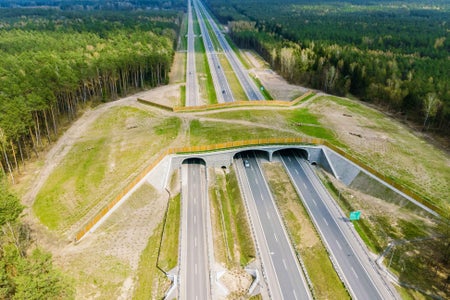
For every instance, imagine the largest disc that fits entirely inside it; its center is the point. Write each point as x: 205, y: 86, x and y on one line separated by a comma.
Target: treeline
x: 394, y: 56
x: 47, y: 73
x: 26, y: 271
x: 97, y: 4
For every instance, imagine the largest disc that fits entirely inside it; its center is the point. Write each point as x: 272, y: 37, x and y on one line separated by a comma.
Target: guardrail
x: 246, y: 143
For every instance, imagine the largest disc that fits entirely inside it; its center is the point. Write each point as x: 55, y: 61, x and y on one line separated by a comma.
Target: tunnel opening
x: 294, y: 151
x: 194, y: 160
x: 250, y: 153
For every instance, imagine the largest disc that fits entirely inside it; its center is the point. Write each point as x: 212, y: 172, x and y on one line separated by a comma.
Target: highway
x: 250, y: 88
x: 355, y: 267
x: 282, y: 271
x: 223, y: 90
x: 194, y: 264
x: 191, y: 74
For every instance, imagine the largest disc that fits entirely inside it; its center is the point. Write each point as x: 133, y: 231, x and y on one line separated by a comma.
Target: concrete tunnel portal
x: 224, y: 159
x: 300, y: 152
x: 258, y: 152
x: 194, y: 160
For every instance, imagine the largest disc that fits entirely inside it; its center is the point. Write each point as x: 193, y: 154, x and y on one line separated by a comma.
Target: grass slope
x: 100, y: 164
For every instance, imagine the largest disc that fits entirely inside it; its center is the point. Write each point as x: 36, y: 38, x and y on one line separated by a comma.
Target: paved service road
x: 281, y: 267
x: 360, y: 277
x: 250, y: 88
x: 194, y: 265
x: 191, y: 74
x: 223, y: 90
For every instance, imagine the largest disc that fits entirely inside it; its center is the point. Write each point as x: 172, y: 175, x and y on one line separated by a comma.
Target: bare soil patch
x: 278, y: 87
x: 103, y: 265
x: 237, y: 281
x: 168, y: 95
x: 178, y: 71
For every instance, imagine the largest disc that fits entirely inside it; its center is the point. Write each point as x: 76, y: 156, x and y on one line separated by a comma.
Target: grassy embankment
x: 168, y: 258
x: 387, y: 221
x: 205, y: 81
x: 101, y: 163
x: 152, y: 283
x: 161, y: 252
x: 400, y: 154
x: 326, y: 283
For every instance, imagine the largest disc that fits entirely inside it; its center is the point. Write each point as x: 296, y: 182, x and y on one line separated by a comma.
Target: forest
x: 53, y: 62
x: 394, y: 54
x: 26, y: 271
x: 98, y: 4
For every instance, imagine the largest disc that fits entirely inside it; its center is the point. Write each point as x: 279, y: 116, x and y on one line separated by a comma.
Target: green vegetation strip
x: 183, y: 97
x: 326, y: 282
x: 233, y: 81
x: 152, y: 283
x: 168, y: 257
x: 231, y: 215
x: 237, y: 52
x: 264, y: 91
x: 205, y: 81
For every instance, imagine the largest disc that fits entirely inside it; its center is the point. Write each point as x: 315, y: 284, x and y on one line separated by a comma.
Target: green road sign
x: 355, y: 215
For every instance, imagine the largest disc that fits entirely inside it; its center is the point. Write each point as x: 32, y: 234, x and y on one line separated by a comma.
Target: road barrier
x: 234, y: 104
x: 246, y: 143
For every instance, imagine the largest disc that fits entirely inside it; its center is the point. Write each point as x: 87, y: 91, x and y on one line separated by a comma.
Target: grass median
x: 326, y: 282
x: 233, y: 236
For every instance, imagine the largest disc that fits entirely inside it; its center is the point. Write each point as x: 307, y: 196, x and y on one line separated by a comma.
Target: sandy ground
x: 275, y: 84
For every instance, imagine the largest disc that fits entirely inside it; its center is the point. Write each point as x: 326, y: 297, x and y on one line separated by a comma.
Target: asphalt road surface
x: 360, y: 278
x: 250, y: 88
x: 194, y: 266
x: 191, y: 74
x: 281, y: 267
x: 223, y: 90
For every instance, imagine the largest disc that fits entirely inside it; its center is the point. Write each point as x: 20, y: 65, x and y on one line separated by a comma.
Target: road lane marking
x: 195, y: 219
x: 304, y: 184
x: 355, y: 273
x: 284, y: 263
x: 314, y: 202
x: 195, y: 200
x: 195, y: 269
x: 289, y: 158
x: 275, y: 236
x: 325, y: 221
x: 295, y: 294
x: 268, y: 216
x: 339, y: 245
x: 195, y: 242
x: 296, y: 171
x: 256, y: 180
